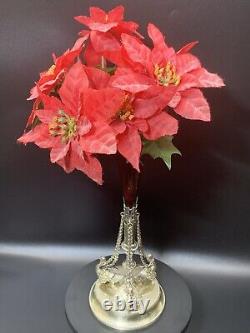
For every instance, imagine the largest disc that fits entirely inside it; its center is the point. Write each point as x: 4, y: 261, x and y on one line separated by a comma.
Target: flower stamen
x: 64, y: 126
x: 167, y: 75
x: 51, y: 70
x: 126, y: 112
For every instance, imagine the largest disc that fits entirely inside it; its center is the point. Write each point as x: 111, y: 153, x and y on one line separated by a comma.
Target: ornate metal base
x: 127, y: 314
x: 174, y: 318
x: 127, y: 296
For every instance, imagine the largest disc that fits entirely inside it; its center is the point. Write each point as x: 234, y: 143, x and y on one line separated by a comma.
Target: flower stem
x: 103, y: 63
x: 129, y: 179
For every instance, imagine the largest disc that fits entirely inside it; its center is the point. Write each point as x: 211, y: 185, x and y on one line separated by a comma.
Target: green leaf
x: 162, y: 148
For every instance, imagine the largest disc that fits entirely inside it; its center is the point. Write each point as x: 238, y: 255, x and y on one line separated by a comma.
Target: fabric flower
x: 51, y: 79
x: 55, y: 74
x: 134, y: 119
x: 75, y: 126
x: 187, y: 73
x: 163, y: 67
x: 105, y: 32
x: 102, y: 21
x: 110, y: 93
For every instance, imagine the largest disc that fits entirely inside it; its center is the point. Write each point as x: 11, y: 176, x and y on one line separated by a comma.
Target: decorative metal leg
x: 127, y: 295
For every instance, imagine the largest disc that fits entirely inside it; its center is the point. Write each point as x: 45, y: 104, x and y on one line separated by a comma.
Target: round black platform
x: 174, y: 318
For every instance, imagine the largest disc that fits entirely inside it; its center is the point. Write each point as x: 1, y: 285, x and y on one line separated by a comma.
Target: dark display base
x: 174, y: 318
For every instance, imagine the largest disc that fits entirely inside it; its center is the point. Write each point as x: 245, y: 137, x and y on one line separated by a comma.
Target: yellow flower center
x: 167, y: 75
x: 51, y: 70
x: 126, y: 112
x: 64, y: 126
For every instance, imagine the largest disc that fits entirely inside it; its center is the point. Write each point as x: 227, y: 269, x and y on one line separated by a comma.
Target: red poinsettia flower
x: 105, y: 32
x: 163, y: 67
x: 55, y: 74
x: 98, y: 79
x: 76, y: 126
x: 187, y: 73
x: 51, y: 79
x: 142, y: 115
x: 102, y: 21
x: 81, y: 110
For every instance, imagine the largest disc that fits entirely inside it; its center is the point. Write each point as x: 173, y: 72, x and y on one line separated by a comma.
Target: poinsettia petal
x: 46, y: 83
x: 40, y: 136
x: 46, y: 116
x: 66, y: 164
x: 206, y: 79
x: 157, y: 57
x: 116, y: 14
x: 152, y: 91
x: 92, y: 169
x: 30, y: 136
x: 145, y: 108
x: 118, y: 126
x: 75, y: 82
x: 156, y: 35
x: 91, y: 57
x: 97, y: 77
x: 188, y: 47
x: 34, y: 93
x: 129, y: 145
x: 86, y: 163
x: 175, y: 100
x: 77, y: 159
x: 97, y: 13
x: 186, y: 63
x: 45, y: 141
x: 51, y: 102
x: 161, y: 55
x: 31, y: 118
x: 84, y: 33
x: 116, y: 57
x: 79, y: 42
x: 160, y: 125
x: 102, y: 27
x: 100, y: 140
x: 136, y: 50
x: 69, y: 161
x: 85, y: 20
x: 102, y: 42
x: 193, y: 105
x: 67, y: 59
x: 140, y: 124
x: 132, y: 82
x: 123, y: 71
x: 83, y: 125
x: 126, y: 27
x: 59, y: 150
x: 188, y: 81
x: 102, y: 104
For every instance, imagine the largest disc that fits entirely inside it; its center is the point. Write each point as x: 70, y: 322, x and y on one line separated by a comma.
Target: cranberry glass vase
x: 127, y: 295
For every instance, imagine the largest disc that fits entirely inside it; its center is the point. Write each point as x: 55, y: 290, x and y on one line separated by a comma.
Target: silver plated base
x: 174, y: 318
x: 126, y: 320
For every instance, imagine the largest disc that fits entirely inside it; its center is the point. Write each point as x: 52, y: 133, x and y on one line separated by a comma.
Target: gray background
x: 195, y: 217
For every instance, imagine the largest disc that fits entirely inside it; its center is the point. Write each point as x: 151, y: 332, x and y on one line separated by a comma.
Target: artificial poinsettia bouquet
x: 110, y: 93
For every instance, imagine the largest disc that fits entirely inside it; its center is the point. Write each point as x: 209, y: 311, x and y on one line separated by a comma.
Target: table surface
x: 34, y: 280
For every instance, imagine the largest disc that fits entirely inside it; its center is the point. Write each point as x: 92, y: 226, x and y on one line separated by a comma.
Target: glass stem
x: 130, y: 179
